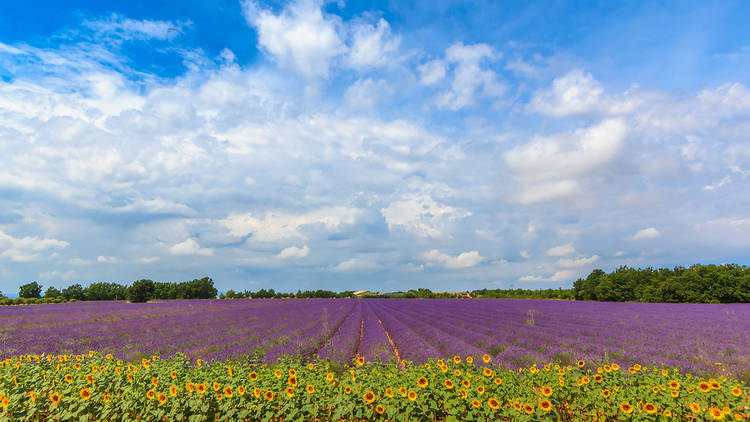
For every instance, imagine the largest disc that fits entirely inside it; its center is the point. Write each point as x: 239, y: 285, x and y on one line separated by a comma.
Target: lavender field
x: 699, y: 338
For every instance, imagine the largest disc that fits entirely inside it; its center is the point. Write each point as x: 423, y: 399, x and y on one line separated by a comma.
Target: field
x: 698, y: 338
x: 447, y: 360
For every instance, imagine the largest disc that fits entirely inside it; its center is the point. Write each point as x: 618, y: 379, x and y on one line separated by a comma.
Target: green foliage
x: 698, y: 284
x: 94, y: 387
x: 105, y: 291
x: 52, y: 292
x: 74, y: 292
x: 141, y: 291
x: 30, y: 290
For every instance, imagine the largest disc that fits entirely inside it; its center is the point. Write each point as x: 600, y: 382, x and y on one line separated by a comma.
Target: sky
x: 376, y: 145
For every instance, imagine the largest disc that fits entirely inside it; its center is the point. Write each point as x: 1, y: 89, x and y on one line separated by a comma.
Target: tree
x: 30, y: 290
x: 74, y: 292
x: 141, y: 291
x: 52, y: 292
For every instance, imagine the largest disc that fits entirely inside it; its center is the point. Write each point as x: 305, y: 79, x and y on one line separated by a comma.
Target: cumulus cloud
x: 190, y: 247
x: 277, y: 226
x: 575, y: 93
x: 301, y: 37
x: 647, y: 233
x: 549, y: 167
x: 356, y: 264
x: 578, y: 262
x: 422, y: 215
x: 107, y: 259
x: 294, y: 252
x: 470, y: 79
x: 463, y: 260
x: 27, y: 248
x: 561, y: 250
x: 372, y: 45
x: 431, y: 72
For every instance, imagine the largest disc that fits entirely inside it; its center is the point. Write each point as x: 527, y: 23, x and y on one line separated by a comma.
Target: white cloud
x: 562, y: 275
x: 189, y: 247
x: 463, y: 260
x: 294, y: 252
x: 372, y: 45
x: 469, y: 78
x: 126, y: 28
x: 431, y: 72
x: 577, y: 263
x: 357, y: 264
x: 574, y: 93
x: 647, y: 233
x: 422, y: 215
x: 549, y: 166
x: 55, y: 275
x: 619, y: 253
x: 722, y: 182
x: 28, y: 248
x: 107, y: 259
x: 525, y: 254
x: 561, y: 250
x: 277, y: 226
x: 301, y: 37
x: 149, y: 260
x: 365, y: 94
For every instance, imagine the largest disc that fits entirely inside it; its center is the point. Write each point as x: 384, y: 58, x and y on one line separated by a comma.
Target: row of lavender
x: 698, y: 338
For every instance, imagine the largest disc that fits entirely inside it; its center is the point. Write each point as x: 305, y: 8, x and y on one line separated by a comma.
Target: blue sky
x: 370, y: 145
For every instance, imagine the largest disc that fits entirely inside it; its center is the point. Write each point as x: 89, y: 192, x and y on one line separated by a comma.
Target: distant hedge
x: 728, y: 283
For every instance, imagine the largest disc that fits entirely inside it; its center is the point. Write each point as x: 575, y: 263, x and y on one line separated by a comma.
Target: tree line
x: 139, y: 291
x: 729, y: 283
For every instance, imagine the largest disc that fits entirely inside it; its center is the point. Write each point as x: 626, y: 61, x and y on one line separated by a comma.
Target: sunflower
x: 606, y: 393
x: 581, y: 363
x: 716, y: 414
x: 77, y: 366
x: 68, y: 378
x: 310, y: 366
x: 615, y: 367
x: 256, y: 392
x: 146, y: 363
x: 448, y: 384
x: 457, y: 372
x: 546, y: 391
x: 5, y: 402
x: 54, y: 398
x: 665, y: 372
x: 241, y: 390
x: 674, y: 384
x: 150, y: 394
x: 269, y: 395
x: 598, y: 378
x: 637, y: 367
x: 216, y: 386
x: 545, y: 405
x: 412, y: 395
x: 493, y: 403
x: 173, y: 374
x: 736, y: 391
x: 655, y: 389
x: 289, y: 392
x: 172, y: 390
x: 529, y: 409
x: 715, y: 385
x: 154, y: 381
x: 368, y: 397
x: 607, y: 368
x: 32, y: 395
x: 310, y: 389
x: 360, y: 361
x: 389, y: 392
x: 486, y: 358
x: 469, y: 359
x: 118, y: 370
x: 292, y: 372
x: 329, y: 377
x: 457, y: 359
x: 380, y: 409
x: 704, y: 387
x: 130, y: 378
x: 292, y: 381
x: 667, y: 413
x: 422, y: 382
x: 498, y: 381
x: 480, y: 390
x: 199, y: 362
x: 649, y: 408
x: 189, y: 387
x: 161, y: 398
x: 85, y: 394
x: 466, y: 383
x: 695, y: 407
x: 347, y: 390
x: 200, y: 388
x: 674, y: 393
x: 487, y: 372
x: 402, y: 391
x: 228, y: 392
x: 626, y: 408
x: 277, y: 373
